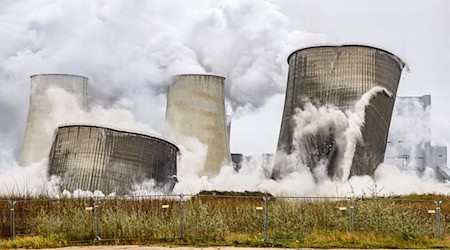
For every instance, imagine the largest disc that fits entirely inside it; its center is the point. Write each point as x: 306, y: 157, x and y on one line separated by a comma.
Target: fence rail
x: 216, y: 217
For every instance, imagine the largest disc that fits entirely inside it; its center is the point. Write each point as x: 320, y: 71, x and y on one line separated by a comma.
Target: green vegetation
x: 51, y: 241
x: 233, y: 220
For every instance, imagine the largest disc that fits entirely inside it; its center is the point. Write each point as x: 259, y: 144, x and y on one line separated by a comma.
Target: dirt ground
x: 166, y: 248
x: 133, y: 247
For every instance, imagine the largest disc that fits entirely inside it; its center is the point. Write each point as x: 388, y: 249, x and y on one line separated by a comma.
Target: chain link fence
x: 221, y: 217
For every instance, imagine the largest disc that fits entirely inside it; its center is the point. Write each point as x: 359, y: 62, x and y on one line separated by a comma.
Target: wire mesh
x: 445, y: 220
x: 407, y: 219
x: 138, y: 218
x: 224, y: 217
x: 294, y: 218
x: 5, y: 219
x: 71, y: 218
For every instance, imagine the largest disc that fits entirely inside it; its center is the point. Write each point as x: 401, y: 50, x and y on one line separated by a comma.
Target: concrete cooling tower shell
x: 340, y: 75
x: 196, y: 108
x: 99, y: 158
x: 38, y: 139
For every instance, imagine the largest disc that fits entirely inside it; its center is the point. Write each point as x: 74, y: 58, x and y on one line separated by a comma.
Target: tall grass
x: 230, y: 220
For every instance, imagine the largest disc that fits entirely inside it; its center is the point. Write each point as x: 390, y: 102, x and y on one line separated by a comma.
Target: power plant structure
x: 357, y: 82
x: 409, y: 141
x: 99, y: 158
x: 38, y: 139
x: 339, y: 76
x: 196, y: 108
x: 237, y: 160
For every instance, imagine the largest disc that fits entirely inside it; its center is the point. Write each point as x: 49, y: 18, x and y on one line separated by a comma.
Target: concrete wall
x: 37, y: 141
x: 340, y: 75
x: 98, y: 158
x: 195, y: 107
x: 439, y: 163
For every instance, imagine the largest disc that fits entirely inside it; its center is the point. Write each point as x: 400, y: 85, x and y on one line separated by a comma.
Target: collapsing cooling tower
x: 196, y: 108
x: 38, y: 139
x: 339, y: 76
x: 99, y: 158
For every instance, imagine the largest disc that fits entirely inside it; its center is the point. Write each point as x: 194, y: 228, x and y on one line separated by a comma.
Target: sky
x: 416, y: 31
x: 130, y: 49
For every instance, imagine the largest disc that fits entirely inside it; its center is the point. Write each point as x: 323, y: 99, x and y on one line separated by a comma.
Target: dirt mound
x: 231, y: 193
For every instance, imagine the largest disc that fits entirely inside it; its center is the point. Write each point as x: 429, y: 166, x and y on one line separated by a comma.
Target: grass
x: 209, y: 220
x: 51, y: 241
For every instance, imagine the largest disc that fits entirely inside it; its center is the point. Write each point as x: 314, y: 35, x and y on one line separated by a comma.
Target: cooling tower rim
x: 126, y: 131
x: 195, y: 74
x: 58, y: 74
x: 398, y: 59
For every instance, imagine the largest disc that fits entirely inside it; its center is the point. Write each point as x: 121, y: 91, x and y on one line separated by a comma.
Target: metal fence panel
x: 223, y: 217
x: 295, y: 218
x: 5, y: 219
x: 67, y: 217
x: 445, y: 219
x: 139, y: 218
x: 407, y: 219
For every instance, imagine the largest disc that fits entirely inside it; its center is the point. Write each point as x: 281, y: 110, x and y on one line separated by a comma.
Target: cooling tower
x: 196, y: 108
x: 339, y: 76
x: 38, y: 138
x: 98, y: 158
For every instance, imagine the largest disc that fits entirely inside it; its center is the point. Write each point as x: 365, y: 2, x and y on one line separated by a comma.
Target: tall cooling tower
x: 99, y: 158
x: 340, y: 75
x: 196, y: 108
x: 38, y: 140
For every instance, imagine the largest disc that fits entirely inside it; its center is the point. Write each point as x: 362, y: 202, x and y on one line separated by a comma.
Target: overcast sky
x: 129, y: 50
x: 416, y: 31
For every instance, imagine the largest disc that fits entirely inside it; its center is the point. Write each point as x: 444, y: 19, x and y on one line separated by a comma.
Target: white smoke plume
x: 253, y: 176
x: 345, y: 127
x: 129, y: 50
x: 413, y: 114
x: 298, y: 180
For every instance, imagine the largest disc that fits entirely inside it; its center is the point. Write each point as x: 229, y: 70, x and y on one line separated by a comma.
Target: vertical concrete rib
x: 196, y: 108
x: 339, y: 76
x: 99, y: 158
x: 37, y: 140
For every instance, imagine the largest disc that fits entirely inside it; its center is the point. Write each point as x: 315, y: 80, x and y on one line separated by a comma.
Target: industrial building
x: 38, y: 139
x: 339, y: 76
x: 409, y: 141
x: 196, y: 108
x: 237, y: 160
x: 99, y: 158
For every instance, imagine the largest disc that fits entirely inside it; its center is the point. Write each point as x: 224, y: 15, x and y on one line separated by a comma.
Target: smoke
x: 298, y: 179
x: 254, y: 175
x: 414, y: 114
x: 67, y: 111
x: 339, y: 129
x: 129, y: 50
x: 387, y: 180
x: 33, y: 180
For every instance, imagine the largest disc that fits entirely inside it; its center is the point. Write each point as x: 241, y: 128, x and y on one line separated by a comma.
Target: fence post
x: 12, y: 224
x: 352, y: 214
x: 96, y: 219
x: 266, y: 215
x: 438, y: 219
x: 181, y: 216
